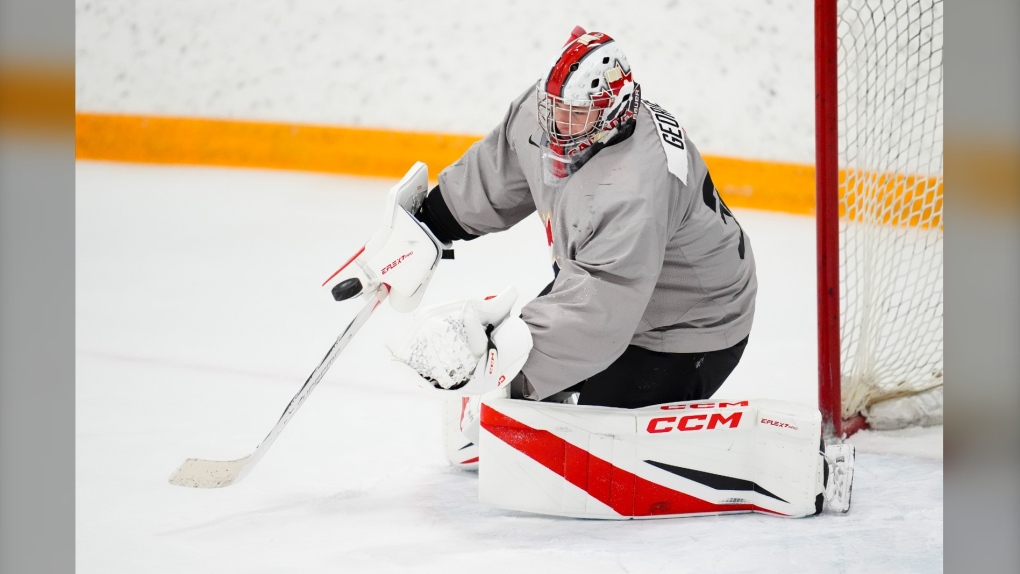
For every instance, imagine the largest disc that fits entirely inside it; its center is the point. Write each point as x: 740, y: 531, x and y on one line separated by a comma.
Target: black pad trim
x: 715, y: 481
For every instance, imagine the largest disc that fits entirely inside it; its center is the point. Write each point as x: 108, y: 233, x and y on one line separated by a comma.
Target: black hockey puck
x: 346, y: 289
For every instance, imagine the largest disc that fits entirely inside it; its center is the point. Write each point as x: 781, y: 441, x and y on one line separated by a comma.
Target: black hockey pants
x: 640, y: 378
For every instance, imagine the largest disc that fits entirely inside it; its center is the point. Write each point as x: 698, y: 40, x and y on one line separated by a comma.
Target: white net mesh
x: 890, y: 130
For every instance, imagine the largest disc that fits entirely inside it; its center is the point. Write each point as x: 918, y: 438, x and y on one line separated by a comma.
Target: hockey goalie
x: 595, y: 399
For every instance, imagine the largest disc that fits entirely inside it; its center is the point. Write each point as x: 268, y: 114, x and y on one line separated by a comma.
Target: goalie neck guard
x: 586, y: 101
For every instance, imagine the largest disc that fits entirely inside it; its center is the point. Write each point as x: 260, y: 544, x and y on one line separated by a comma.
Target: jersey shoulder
x: 671, y: 137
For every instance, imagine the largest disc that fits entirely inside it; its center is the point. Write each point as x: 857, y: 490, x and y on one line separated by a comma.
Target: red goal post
x: 878, y: 132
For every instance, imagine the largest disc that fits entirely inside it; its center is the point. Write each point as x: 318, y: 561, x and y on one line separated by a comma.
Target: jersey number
x: 711, y: 197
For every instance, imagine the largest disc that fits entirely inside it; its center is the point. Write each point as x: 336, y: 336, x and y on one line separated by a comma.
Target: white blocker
x: 402, y: 254
x: 678, y: 459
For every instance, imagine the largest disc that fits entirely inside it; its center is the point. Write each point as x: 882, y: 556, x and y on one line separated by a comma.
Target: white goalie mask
x: 587, y: 97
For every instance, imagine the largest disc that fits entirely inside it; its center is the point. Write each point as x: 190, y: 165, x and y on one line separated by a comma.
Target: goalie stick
x: 201, y: 473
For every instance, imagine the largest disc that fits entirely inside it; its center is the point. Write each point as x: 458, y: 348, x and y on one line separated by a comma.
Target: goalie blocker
x: 679, y: 459
x: 402, y: 254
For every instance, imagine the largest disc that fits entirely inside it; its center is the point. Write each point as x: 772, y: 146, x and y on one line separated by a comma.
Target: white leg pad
x: 678, y: 459
x: 461, y: 427
x: 461, y: 451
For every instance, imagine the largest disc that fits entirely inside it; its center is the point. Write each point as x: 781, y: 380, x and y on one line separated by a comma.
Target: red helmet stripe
x: 572, y: 54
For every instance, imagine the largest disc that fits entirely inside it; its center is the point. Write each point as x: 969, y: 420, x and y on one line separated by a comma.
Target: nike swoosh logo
x: 532, y: 142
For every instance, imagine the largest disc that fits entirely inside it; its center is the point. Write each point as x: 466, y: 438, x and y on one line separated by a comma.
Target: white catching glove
x: 471, y: 346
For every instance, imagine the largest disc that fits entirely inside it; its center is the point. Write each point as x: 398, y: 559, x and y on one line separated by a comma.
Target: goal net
x: 888, y: 193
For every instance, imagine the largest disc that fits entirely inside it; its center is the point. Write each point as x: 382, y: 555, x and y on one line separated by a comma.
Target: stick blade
x: 200, y: 473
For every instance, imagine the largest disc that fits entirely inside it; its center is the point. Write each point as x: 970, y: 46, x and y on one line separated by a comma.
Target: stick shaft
x: 211, y: 474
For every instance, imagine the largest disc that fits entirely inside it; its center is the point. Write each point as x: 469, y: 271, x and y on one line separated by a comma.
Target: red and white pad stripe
x: 680, y: 459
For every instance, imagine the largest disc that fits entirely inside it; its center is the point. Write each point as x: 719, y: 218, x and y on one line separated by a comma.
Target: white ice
x: 199, y: 313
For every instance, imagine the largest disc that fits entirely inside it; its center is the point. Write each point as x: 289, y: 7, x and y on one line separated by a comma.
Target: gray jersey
x: 647, y: 252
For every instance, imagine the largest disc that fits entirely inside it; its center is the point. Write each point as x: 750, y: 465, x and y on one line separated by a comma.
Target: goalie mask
x: 586, y: 101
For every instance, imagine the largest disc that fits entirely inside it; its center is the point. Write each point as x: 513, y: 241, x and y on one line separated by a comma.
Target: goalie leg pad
x: 461, y: 426
x: 678, y: 459
x: 461, y: 451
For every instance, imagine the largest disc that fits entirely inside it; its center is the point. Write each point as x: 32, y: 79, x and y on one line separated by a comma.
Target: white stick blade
x: 199, y: 473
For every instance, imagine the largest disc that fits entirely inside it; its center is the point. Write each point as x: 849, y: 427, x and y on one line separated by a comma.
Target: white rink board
x: 739, y: 77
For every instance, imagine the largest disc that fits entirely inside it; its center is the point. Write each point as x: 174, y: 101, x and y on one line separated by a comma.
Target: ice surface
x: 199, y: 313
